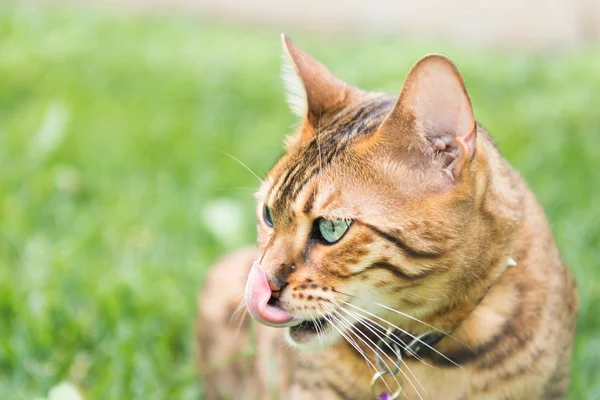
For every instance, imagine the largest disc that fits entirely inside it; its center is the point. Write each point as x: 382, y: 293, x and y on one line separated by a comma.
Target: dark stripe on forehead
x: 333, y: 137
x: 309, y: 203
x: 361, y: 120
x: 371, y: 109
x: 291, y: 174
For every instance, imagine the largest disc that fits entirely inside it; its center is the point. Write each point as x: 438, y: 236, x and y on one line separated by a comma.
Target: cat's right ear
x: 434, y: 114
x: 312, y: 91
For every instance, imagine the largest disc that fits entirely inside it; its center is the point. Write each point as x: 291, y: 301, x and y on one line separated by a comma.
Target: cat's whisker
x: 381, y: 351
x: 380, y: 328
x: 239, y: 327
x: 267, y: 248
x: 351, y: 331
x: 233, y: 188
x: 320, y: 323
x: 422, y: 322
x: 403, y: 331
x: 367, y: 324
x: 407, y: 316
x: 319, y: 331
x: 393, y: 310
x: 242, y: 164
x: 358, y: 334
x: 351, y: 341
x: 239, y: 308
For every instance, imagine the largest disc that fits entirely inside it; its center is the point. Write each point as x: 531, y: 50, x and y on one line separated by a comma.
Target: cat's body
x: 439, y: 219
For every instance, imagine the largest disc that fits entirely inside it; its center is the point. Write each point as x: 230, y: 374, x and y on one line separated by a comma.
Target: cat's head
x: 378, y: 209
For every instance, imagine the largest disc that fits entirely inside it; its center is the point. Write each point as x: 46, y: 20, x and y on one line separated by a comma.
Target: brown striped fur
x: 434, y: 228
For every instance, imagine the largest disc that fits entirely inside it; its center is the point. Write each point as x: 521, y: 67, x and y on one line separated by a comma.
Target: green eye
x: 268, y: 216
x: 332, y: 231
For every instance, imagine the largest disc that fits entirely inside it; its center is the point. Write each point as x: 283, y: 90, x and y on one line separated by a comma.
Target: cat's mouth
x: 307, y: 330
x: 311, y: 325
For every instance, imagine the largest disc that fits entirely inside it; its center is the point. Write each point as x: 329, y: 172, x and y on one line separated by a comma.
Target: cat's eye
x: 332, y: 230
x: 268, y: 216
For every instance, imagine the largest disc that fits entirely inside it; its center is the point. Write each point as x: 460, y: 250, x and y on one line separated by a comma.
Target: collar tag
x: 511, y: 263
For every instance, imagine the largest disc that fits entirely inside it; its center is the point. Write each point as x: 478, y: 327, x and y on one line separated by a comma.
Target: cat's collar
x: 402, y: 344
x: 413, y: 345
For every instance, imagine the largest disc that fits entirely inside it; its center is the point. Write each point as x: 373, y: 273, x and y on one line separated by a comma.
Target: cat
x: 391, y: 233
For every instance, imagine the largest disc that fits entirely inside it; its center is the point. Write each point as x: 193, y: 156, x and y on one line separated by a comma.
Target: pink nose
x: 258, y: 293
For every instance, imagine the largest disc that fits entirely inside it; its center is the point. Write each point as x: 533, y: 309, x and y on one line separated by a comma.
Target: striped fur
x: 437, y: 216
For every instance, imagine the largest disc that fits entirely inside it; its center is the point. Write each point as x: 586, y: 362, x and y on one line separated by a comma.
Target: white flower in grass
x: 64, y: 391
x: 223, y: 218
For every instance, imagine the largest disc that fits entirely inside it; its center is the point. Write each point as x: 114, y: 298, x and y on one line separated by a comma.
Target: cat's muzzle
x: 259, y: 301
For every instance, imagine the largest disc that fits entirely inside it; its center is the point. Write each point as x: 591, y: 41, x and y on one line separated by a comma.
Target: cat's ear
x: 312, y: 91
x: 434, y: 113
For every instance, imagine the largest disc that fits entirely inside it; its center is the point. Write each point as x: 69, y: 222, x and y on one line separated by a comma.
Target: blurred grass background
x: 115, y: 193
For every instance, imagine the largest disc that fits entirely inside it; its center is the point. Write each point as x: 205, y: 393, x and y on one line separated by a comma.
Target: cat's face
x: 371, y: 215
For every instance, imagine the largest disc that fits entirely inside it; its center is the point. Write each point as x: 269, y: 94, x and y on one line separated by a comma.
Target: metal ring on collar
x: 380, y: 375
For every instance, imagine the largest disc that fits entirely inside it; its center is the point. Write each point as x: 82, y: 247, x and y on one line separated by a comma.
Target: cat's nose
x: 276, y: 284
x: 278, y: 279
x: 259, y: 293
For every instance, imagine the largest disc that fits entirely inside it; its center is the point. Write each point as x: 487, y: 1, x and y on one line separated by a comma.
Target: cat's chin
x: 307, y: 337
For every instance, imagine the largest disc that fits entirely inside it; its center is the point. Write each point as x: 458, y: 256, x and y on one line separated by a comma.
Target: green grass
x: 115, y: 196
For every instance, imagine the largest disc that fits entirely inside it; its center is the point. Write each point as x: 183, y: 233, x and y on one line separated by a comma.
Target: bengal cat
x: 389, y: 218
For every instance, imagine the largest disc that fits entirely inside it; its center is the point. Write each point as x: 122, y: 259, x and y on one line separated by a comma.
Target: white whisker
x: 357, y: 347
x: 382, y: 329
x: 396, y: 311
x: 243, y: 165
x: 449, y: 335
x: 237, y: 310
x: 351, y: 341
x: 402, y: 330
x: 233, y: 188
x: 367, y: 324
x: 319, y: 331
x: 239, y: 327
x: 352, y: 327
x: 409, y: 317
x: 370, y: 322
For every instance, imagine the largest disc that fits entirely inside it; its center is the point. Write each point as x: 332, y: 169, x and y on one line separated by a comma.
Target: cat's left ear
x: 312, y: 91
x: 434, y: 114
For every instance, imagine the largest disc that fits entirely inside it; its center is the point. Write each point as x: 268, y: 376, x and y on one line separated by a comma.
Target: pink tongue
x: 258, y: 294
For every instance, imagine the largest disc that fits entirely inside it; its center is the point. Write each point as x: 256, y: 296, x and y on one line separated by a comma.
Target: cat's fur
x: 438, y: 218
